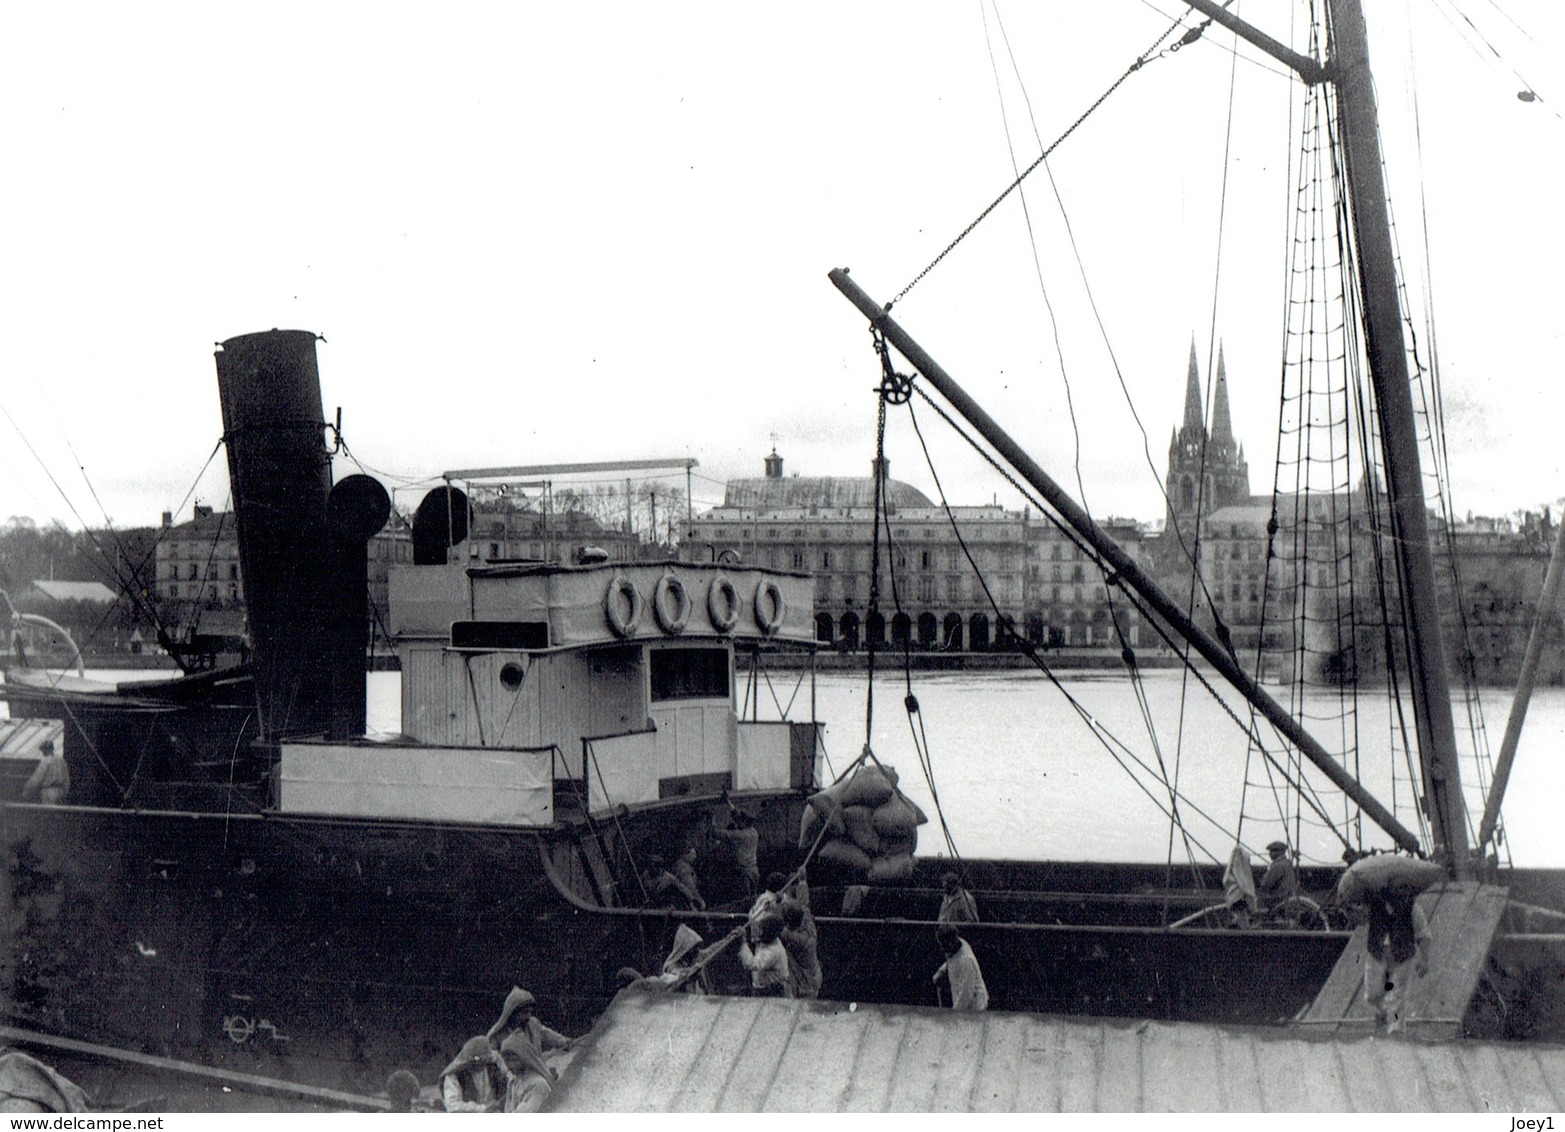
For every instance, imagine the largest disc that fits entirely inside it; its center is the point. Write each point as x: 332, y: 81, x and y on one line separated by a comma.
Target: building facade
x: 971, y: 579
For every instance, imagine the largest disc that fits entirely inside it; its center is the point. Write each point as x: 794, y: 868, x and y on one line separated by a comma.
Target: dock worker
x: 402, y: 1091
x: 686, y: 880
x: 961, y: 970
x: 768, y: 962
x: 1397, y: 947
x: 799, y: 941
x: 1280, y: 882
x: 474, y: 1081
x: 529, y: 1079
x: 517, y: 1017
x: 676, y: 972
x: 770, y: 900
x: 744, y: 842
x: 50, y: 781
x: 957, y: 905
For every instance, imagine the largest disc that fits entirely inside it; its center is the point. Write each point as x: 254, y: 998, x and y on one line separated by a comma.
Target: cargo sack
x: 898, y: 816
x: 826, y: 805
x: 898, y: 844
x: 884, y: 869
x: 844, y: 855
x: 1390, y: 875
x: 860, y: 822
x: 871, y: 785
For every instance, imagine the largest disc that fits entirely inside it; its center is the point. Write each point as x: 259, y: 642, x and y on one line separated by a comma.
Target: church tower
x: 1206, y: 468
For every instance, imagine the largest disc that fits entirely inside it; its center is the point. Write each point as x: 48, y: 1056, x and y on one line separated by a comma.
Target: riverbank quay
x: 890, y: 659
x: 658, y: 1052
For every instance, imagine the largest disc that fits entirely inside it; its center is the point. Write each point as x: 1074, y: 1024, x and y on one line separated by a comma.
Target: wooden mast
x: 1349, y: 74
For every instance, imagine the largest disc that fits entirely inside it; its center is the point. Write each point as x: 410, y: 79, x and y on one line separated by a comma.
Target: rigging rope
x: 1103, y: 735
x: 1146, y: 56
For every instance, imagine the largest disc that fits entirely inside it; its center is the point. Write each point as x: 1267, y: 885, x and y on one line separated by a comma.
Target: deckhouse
x: 612, y: 685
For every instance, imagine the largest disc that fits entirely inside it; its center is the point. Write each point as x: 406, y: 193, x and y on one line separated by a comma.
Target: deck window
x: 688, y: 674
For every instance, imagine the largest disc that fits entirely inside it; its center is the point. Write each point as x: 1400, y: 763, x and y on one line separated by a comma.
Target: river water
x: 1020, y: 775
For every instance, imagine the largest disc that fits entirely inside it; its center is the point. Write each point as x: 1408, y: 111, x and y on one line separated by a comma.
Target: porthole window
x: 511, y: 676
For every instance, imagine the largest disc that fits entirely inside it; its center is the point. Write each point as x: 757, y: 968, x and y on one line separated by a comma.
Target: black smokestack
x: 280, y: 474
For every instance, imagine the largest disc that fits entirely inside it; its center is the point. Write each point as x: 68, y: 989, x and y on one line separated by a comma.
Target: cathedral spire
x: 1222, y: 428
x: 1194, y: 418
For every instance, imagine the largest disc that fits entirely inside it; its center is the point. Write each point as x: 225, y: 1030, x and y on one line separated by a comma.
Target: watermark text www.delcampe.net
x: 87, y: 1123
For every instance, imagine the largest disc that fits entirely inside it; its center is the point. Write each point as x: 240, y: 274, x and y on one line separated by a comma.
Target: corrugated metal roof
x: 660, y: 1052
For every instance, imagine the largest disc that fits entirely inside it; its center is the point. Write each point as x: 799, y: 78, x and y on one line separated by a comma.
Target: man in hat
x: 51, y: 779
x: 517, y: 1018
x: 1280, y: 882
x: 961, y: 970
x: 957, y: 905
x: 474, y: 1080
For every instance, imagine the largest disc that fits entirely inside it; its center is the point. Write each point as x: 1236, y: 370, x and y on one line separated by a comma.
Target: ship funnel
x: 441, y: 522
x: 292, y: 546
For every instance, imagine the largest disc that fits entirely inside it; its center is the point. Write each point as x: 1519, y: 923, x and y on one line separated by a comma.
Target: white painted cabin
x: 616, y: 678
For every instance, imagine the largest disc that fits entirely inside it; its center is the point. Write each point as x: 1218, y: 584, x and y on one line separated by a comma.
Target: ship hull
x: 331, y: 951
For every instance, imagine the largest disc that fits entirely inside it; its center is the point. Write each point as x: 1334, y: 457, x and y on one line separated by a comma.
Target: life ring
x: 622, y: 606
x: 770, y: 608
x: 722, y: 604
x: 671, y: 604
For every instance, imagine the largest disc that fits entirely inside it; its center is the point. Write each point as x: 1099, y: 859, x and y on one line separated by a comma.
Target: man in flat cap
x: 1280, y: 882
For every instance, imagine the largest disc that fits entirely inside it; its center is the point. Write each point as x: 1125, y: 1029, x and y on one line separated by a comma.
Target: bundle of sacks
x: 872, y: 826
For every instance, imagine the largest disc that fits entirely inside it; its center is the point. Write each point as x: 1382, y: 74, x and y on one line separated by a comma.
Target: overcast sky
x: 570, y: 232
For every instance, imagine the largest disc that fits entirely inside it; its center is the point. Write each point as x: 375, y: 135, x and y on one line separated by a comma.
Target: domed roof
x: 776, y: 492
x: 818, y: 491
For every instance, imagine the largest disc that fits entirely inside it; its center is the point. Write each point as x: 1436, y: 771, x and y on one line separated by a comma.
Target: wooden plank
x: 1180, y: 1068
x: 1463, y: 917
x: 246, y: 1082
x: 912, y: 1083
x: 815, y: 1072
x: 652, y: 1050
x: 869, y: 1085
x: 1047, y: 1062
x: 961, y: 1055
x: 702, y: 1088
x: 755, y: 1065
x: 1238, y: 1073
x: 711, y: 1054
x: 1006, y: 1038
x: 1119, y: 1075
x: 1343, y: 995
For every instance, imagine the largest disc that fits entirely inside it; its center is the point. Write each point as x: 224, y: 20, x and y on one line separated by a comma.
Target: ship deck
x: 685, y: 1053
